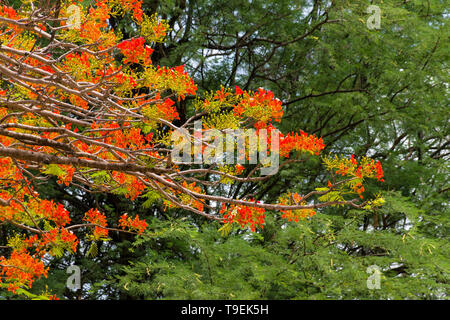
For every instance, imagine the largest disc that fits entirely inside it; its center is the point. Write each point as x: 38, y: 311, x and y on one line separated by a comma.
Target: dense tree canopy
x: 87, y: 111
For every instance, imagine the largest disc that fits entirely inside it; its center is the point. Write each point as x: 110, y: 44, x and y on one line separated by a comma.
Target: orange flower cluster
x: 69, y: 171
x: 130, y: 138
x: 178, y: 80
x: 78, y: 65
x: 132, y: 185
x: 175, y: 79
x: 260, y: 105
x: 21, y: 269
x: 135, y: 51
x: 38, y: 64
x: 58, y: 237
x: 92, y: 29
x: 99, y: 219
x: 166, y: 110
x: 244, y: 215
x: 160, y: 30
x: 186, y: 199
x: 135, y: 224
x: 239, y: 169
x: 300, y: 142
x: 134, y: 6
x: 295, y: 215
x: 135, y: 188
x: 8, y: 12
x: 359, y: 189
x: 366, y: 168
x: 379, y: 171
x: 56, y: 213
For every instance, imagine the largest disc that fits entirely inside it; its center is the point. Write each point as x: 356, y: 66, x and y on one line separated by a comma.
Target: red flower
x: 379, y: 170
x: 21, y: 269
x: 135, y: 51
x: 244, y: 215
x: 99, y: 219
x: 239, y: 169
x: 134, y: 224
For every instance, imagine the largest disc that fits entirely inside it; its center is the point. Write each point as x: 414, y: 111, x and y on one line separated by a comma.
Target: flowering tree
x: 80, y: 103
